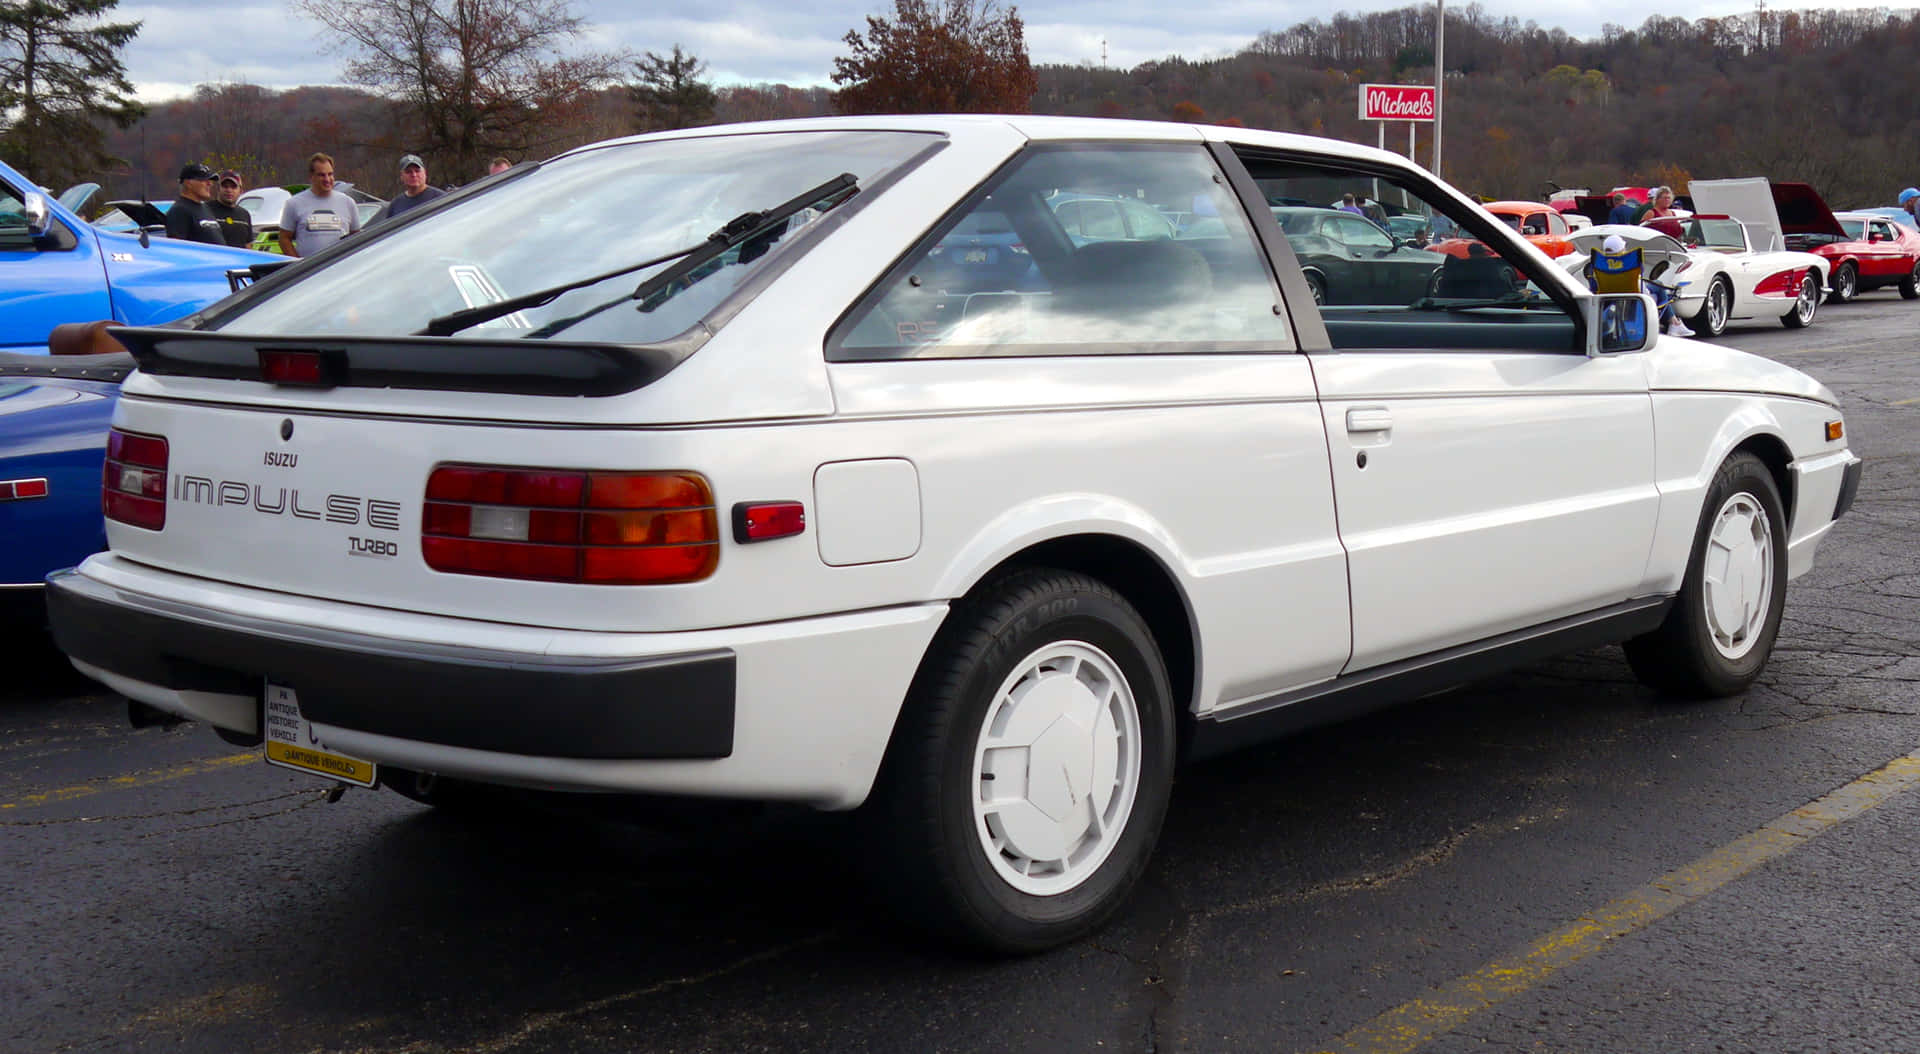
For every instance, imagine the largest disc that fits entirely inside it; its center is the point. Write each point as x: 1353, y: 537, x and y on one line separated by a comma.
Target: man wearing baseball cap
x: 414, y: 189
x: 188, y: 218
x: 236, y: 223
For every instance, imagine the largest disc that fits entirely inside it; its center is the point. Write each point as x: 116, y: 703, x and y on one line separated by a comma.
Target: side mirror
x: 1619, y: 323
x: 35, y: 210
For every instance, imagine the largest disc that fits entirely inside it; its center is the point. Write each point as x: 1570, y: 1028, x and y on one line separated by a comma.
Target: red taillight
x: 1785, y: 283
x: 133, y: 480
x: 293, y: 367
x: 603, y: 528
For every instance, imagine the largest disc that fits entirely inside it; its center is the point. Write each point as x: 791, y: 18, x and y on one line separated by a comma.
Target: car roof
x: 1503, y: 207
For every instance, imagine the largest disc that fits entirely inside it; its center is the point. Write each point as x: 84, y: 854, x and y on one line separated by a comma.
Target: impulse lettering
x: 284, y: 501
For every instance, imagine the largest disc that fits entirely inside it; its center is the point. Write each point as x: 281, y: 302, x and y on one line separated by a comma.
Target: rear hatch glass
x: 573, y: 218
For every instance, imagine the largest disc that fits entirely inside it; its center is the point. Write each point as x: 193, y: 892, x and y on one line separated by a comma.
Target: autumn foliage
x: 937, y: 56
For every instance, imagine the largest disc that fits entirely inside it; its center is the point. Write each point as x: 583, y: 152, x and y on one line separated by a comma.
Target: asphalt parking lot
x: 1554, y: 860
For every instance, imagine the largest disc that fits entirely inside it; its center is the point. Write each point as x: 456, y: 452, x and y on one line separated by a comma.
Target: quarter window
x: 1074, y: 250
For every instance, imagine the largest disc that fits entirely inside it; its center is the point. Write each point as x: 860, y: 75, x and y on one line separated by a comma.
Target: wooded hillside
x: 1828, y: 97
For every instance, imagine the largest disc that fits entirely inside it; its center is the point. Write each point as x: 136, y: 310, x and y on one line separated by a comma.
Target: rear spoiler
x: 428, y: 363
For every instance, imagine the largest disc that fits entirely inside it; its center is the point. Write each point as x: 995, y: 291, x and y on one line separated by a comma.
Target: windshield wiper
x: 742, y: 228
x: 454, y: 321
x: 735, y: 232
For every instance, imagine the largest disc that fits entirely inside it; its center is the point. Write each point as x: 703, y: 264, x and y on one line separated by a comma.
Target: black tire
x: 1698, y: 652
x: 1805, y: 305
x: 1711, y: 321
x: 1910, y: 285
x: 938, y: 854
x: 1846, y: 285
x: 1318, y: 287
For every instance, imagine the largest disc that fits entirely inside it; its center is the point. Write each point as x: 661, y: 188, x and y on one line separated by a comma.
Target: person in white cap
x: 414, y: 188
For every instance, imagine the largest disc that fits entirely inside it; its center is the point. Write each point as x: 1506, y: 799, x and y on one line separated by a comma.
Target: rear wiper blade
x: 454, y: 321
x: 744, y: 228
x: 736, y: 231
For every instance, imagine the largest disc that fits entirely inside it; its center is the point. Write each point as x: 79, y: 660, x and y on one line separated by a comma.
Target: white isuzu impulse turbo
x: 973, y: 470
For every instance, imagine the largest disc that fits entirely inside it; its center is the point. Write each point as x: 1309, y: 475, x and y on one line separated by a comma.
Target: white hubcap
x: 1056, y: 768
x: 1737, y: 575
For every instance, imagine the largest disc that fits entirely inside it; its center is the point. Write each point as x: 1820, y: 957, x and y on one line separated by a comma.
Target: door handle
x: 1369, y: 419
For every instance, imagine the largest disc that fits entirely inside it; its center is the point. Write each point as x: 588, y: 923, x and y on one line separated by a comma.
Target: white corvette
x: 1722, y: 277
x: 866, y: 469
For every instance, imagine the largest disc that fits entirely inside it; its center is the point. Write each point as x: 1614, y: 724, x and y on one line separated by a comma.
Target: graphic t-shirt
x: 318, y: 222
x: 190, y: 220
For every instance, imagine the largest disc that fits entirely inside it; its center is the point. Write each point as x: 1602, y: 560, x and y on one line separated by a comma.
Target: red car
x: 1878, y: 252
x: 1866, y: 251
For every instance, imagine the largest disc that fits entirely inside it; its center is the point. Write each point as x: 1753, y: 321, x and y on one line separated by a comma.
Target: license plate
x: 291, y: 743
x: 974, y: 256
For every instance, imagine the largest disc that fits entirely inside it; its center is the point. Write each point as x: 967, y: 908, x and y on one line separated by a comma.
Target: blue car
x: 54, y: 410
x: 55, y: 268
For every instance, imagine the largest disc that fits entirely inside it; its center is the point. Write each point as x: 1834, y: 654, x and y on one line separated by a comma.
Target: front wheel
x: 1712, y: 319
x: 1031, y: 769
x: 1805, y: 305
x: 1722, y: 627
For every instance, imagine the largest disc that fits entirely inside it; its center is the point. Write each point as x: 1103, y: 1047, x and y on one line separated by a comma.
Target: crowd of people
x: 208, y: 210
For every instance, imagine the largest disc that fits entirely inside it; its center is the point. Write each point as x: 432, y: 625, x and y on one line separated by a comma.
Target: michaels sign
x: 1396, y: 102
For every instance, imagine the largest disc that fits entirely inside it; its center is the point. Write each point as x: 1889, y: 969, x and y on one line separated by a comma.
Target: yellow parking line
x: 136, y: 779
x: 1906, y: 402
x: 1407, y: 1027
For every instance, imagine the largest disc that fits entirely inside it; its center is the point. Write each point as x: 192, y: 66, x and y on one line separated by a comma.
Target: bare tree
x: 475, y: 78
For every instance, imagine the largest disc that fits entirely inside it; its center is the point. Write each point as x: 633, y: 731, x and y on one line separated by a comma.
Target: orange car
x: 1539, y: 223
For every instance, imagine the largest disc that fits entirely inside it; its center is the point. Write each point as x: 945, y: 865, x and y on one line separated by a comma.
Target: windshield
x: 575, y: 217
x: 1717, y: 234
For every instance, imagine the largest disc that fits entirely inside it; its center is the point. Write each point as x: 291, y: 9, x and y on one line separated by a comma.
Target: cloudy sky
x: 189, y: 42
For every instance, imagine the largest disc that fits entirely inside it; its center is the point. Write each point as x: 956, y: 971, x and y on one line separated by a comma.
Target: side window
x: 1144, y: 221
x: 1373, y: 293
x: 1361, y: 235
x: 1557, y: 224
x: 1084, y: 260
x: 13, y: 215
x: 1535, y: 224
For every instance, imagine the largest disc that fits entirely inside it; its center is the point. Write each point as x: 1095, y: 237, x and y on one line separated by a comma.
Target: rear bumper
x: 800, y: 710
x: 669, y: 706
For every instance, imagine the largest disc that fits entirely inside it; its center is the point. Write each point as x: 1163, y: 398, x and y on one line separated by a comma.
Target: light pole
x: 1439, y: 75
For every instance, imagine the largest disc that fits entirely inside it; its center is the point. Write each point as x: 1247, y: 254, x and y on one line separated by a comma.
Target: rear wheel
x: 1712, y: 319
x: 1318, y: 286
x: 1722, y: 627
x: 1846, y: 285
x: 1032, y: 767
x: 1910, y: 285
x: 1805, y: 305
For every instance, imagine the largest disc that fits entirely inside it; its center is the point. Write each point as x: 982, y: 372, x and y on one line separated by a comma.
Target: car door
x: 1889, y: 262
x: 1490, y: 477
x: 45, y: 281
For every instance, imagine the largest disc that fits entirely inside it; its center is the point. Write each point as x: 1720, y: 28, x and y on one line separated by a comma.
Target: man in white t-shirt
x: 317, y: 216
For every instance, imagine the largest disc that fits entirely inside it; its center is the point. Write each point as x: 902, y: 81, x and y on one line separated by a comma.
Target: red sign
x: 1396, y: 102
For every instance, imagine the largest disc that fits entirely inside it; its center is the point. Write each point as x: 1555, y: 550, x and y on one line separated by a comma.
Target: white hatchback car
x: 771, y: 491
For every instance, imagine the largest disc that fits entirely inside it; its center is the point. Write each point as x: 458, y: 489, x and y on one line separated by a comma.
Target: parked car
x: 607, y: 528
x: 1349, y: 259
x: 1722, y: 278
x: 1541, y: 224
x: 54, y: 415
x: 55, y: 268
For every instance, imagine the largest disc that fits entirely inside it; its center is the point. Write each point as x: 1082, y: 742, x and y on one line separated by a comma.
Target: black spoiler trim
x: 112, y: 367
x: 425, y: 363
